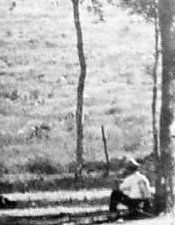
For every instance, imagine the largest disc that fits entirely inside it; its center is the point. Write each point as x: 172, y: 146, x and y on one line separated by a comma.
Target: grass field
x: 39, y: 71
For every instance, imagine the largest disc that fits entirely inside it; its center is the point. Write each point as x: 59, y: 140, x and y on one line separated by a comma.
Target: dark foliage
x: 147, y: 8
x: 41, y: 165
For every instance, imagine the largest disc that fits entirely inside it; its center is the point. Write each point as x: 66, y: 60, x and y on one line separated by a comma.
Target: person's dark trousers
x: 118, y: 196
x: 5, y: 203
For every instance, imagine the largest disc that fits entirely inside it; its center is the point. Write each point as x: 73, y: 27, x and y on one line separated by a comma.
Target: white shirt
x: 136, y: 186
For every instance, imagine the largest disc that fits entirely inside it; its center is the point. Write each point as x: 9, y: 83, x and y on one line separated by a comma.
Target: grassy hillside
x: 39, y: 71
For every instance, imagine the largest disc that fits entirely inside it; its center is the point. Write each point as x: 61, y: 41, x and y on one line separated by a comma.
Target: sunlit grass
x: 39, y: 59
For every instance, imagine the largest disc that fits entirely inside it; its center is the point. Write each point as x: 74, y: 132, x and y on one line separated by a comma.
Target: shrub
x: 114, y: 110
x: 3, y: 169
x: 41, y: 165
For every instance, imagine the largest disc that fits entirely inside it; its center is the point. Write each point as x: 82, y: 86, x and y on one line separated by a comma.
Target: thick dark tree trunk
x: 167, y: 116
x: 80, y: 88
x: 159, y: 199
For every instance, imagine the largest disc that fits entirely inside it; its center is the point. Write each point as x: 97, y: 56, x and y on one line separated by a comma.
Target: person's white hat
x: 132, y: 164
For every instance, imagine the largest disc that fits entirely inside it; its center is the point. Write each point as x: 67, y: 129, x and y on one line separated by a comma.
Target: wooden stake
x: 105, y: 151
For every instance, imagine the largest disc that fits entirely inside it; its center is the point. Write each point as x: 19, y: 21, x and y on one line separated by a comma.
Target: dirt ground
x: 80, y: 204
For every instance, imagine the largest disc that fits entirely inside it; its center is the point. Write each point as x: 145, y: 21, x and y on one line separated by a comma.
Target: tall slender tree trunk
x: 80, y: 88
x: 167, y: 115
x: 155, y: 90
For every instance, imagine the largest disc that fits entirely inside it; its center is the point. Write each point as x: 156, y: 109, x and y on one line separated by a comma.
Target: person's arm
x: 144, y: 186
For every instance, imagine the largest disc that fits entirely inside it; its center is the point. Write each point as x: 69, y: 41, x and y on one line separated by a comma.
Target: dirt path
x: 165, y: 220
x: 162, y: 220
x: 60, y: 195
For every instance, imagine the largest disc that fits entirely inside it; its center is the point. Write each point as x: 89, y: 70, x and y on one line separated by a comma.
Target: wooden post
x: 105, y: 151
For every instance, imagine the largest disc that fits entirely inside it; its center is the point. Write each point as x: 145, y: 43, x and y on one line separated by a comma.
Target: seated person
x: 134, y: 191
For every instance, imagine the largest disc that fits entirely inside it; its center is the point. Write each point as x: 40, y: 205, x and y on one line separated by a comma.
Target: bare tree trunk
x: 167, y: 116
x: 154, y: 101
x: 80, y: 88
x: 105, y: 150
